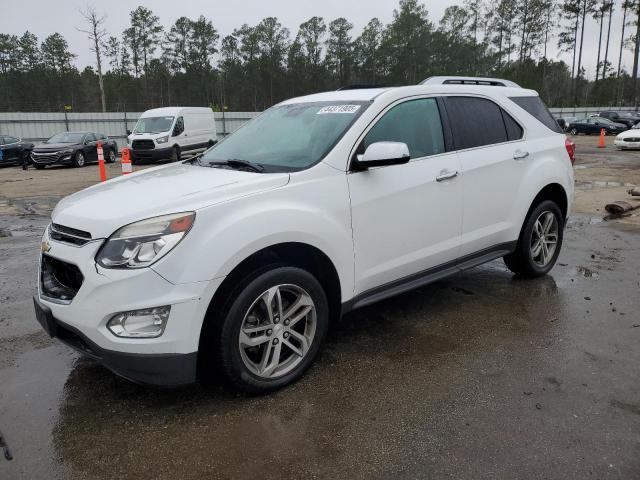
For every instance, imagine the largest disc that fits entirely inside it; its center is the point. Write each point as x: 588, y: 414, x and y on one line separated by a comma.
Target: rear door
x: 490, y: 146
x: 406, y: 219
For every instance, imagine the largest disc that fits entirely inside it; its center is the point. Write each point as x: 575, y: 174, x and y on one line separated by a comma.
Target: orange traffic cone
x: 127, y: 168
x: 103, y: 172
x: 601, y: 142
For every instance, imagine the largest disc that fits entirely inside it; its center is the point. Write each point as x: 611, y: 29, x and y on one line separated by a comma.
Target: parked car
x: 628, y: 140
x: 73, y: 148
x: 626, y: 118
x: 13, y: 150
x: 565, y: 121
x: 170, y: 132
x: 594, y: 125
x: 239, y: 259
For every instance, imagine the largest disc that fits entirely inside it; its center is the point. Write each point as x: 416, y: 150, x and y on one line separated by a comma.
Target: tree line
x: 258, y: 65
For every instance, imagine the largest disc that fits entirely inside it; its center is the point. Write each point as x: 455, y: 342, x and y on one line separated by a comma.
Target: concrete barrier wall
x: 37, y: 127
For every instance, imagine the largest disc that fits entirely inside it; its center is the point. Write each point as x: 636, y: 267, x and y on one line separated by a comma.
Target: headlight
x: 164, y: 139
x: 142, y: 243
x: 65, y: 152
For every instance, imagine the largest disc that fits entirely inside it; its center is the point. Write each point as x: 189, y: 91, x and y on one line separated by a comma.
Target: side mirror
x: 128, y: 132
x: 381, y: 154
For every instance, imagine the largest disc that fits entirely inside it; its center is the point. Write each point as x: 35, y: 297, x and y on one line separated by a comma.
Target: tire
x: 79, y: 160
x: 111, y: 156
x: 523, y: 261
x: 175, y: 154
x: 242, y: 364
x: 574, y: 131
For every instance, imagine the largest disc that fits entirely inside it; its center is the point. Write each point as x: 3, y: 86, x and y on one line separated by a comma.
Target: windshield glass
x: 153, y: 125
x: 288, y: 137
x: 66, y: 138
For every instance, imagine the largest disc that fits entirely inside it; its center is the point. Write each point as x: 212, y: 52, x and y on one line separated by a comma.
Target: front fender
x: 314, y: 212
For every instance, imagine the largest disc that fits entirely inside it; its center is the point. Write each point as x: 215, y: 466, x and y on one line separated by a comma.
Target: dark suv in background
x: 13, y: 150
x: 627, y: 118
x: 73, y: 148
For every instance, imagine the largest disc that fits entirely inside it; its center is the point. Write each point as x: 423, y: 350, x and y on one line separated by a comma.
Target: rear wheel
x: 539, y: 243
x: 272, y: 330
x: 175, y: 154
x: 111, y: 156
x: 78, y: 160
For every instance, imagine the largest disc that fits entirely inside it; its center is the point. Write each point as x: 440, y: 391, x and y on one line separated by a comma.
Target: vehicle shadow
x: 382, y: 366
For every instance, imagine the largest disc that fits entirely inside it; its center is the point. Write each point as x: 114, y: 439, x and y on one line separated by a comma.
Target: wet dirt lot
x: 479, y: 376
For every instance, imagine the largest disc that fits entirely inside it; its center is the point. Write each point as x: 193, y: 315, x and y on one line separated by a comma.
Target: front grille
x: 51, y: 157
x: 59, y: 280
x: 631, y: 139
x: 60, y: 233
x: 143, y: 145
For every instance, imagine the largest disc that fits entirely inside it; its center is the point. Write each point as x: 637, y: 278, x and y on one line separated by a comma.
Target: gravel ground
x: 479, y: 376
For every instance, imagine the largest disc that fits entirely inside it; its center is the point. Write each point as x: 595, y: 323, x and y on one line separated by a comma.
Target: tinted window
x: 475, y: 122
x: 90, y: 137
x: 1, y: 140
x: 514, y: 130
x: 416, y: 123
x: 101, y: 136
x: 179, y: 127
x: 10, y: 140
x: 535, y: 107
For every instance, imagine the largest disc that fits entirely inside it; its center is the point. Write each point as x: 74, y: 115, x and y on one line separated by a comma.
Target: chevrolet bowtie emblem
x: 45, y: 246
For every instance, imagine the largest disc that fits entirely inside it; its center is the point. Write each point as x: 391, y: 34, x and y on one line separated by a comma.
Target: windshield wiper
x: 238, y: 163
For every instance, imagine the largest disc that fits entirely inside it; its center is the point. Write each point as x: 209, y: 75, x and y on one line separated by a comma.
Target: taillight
x: 571, y: 150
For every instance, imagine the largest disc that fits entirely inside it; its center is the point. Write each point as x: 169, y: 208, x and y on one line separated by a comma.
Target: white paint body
x: 622, y: 139
x: 376, y: 226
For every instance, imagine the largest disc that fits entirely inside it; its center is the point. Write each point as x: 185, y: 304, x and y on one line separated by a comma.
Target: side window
x: 475, y: 122
x: 2, y: 141
x: 10, y: 140
x: 89, y: 137
x: 535, y: 107
x: 514, y: 130
x: 415, y: 122
x: 179, y: 127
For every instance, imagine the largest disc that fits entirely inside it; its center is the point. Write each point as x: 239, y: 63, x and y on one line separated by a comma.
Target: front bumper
x: 51, y: 159
x: 152, y: 154
x: 166, y: 360
x: 625, y: 144
x: 153, y: 369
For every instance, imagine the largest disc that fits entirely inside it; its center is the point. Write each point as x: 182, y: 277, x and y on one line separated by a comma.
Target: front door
x: 406, y: 219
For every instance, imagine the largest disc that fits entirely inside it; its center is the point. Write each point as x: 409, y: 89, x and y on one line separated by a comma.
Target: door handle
x: 520, y: 154
x: 444, y: 175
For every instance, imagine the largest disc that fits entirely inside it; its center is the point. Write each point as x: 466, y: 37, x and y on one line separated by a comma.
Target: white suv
x: 238, y: 260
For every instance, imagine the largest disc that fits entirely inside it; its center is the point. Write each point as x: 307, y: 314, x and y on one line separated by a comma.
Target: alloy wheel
x: 80, y: 159
x: 277, y: 331
x: 544, y: 239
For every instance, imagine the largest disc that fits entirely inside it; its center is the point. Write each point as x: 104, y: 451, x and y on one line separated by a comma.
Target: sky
x: 44, y: 17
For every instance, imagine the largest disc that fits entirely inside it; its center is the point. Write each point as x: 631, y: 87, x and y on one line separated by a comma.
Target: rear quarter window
x: 535, y: 107
x: 477, y: 122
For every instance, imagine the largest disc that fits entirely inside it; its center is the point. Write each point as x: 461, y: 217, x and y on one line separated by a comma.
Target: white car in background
x: 238, y: 260
x: 629, y: 139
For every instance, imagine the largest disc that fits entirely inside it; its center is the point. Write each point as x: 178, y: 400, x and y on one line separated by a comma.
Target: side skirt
x: 430, y: 275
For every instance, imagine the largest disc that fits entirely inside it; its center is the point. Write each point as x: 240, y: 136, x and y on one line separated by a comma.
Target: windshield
x: 66, y: 138
x: 288, y: 137
x: 153, y: 125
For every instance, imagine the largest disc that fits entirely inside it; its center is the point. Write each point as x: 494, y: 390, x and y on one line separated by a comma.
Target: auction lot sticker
x: 339, y: 109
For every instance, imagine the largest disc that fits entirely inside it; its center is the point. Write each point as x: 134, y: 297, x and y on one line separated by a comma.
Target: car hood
x: 632, y: 133
x: 105, y: 207
x: 53, y: 147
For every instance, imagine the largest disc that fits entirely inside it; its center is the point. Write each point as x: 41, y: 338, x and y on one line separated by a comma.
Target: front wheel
x: 175, y: 154
x: 78, y: 160
x: 272, y: 330
x: 539, y: 243
x: 574, y: 131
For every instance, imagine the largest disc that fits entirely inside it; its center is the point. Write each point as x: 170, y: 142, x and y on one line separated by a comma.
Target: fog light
x: 147, y: 323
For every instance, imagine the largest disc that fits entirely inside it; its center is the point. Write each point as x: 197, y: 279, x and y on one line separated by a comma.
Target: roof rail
x: 359, y: 86
x: 454, y: 80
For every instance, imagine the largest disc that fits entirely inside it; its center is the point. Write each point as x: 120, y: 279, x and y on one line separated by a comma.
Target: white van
x: 170, y: 132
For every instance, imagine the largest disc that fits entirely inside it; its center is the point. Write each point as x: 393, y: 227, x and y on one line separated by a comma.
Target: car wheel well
x: 294, y: 254
x: 557, y: 194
